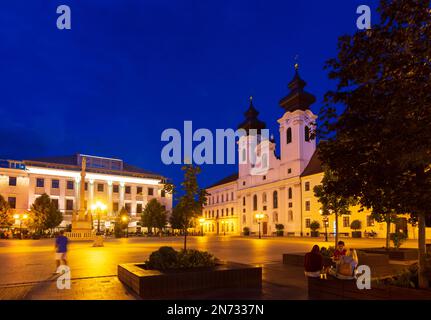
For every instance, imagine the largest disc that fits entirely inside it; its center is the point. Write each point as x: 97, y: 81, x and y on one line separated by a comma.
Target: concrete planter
x: 315, y: 234
x: 335, y: 289
x: 402, y: 254
x: 153, y: 284
x: 356, y: 234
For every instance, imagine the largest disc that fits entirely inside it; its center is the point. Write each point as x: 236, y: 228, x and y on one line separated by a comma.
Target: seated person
x: 346, y: 266
x: 313, y: 262
x: 339, y: 251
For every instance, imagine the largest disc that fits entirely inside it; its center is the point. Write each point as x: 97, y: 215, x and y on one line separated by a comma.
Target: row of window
x: 100, y: 187
x: 215, y: 214
x: 345, y: 222
x: 225, y: 227
x: 223, y: 197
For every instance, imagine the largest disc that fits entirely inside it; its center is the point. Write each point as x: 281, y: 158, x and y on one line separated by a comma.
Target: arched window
x: 290, y: 215
x: 289, y: 193
x: 307, y: 133
x: 288, y: 135
x: 231, y: 211
x: 244, y: 219
x: 255, y: 202
x: 243, y: 201
x: 275, y: 199
x: 264, y: 197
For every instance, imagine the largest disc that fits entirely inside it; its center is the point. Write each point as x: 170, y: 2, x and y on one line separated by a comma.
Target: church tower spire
x: 296, y: 126
x: 251, y: 119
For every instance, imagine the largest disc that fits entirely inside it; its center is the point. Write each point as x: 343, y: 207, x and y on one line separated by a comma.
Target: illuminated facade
x: 112, y: 182
x: 284, y: 193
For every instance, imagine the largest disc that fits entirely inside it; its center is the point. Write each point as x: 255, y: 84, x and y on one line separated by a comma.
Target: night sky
x: 130, y: 69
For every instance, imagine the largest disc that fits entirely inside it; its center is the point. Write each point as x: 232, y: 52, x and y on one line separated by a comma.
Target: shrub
x: 356, y: 225
x: 327, y: 252
x: 162, y: 259
x: 314, y: 225
x: 279, y: 227
x: 398, y: 238
x: 167, y: 258
x: 246, y: 231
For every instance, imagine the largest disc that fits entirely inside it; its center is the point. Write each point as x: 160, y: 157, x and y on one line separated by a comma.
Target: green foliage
x: 356, y: 225
x: 154, y: 215
x: 398, y: 238
x: 167, y: 258
x: 6, y: 218
x: 314, y: 225
x: 408, y: 278
x: 279, y: 227
x: 121, y: 225
x: 191, y: 203
x: 44, y: 214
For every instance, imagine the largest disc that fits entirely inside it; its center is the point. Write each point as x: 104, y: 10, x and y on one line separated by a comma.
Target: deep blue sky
x: 130, y: 69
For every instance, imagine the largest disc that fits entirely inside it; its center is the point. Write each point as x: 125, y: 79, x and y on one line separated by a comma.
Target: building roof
x: 71, y: 162
x: 314, y: 166
x: 228, y: 179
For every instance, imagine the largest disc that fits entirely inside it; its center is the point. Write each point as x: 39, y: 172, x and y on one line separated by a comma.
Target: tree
x: 154, y: 215
x: 190, y: 204
x: 379, y: 145
x: 331, y: 194
x: 6, y: 219
x: 44, y: 214
x: 121, y: 222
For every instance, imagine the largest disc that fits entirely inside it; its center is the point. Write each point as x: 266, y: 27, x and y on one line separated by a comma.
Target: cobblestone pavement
x: 26, y: 266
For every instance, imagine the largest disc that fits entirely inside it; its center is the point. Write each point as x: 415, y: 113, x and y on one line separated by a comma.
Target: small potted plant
x: 280, y: 230
x: 246, y: 231
x: 355, y: 226
x: 314, y: 227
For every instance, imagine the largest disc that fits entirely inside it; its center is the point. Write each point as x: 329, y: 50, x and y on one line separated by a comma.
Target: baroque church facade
x: 284, y: 193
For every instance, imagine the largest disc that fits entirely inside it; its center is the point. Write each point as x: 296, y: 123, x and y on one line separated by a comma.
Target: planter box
x: 356, y: 234
x: 297, y: 259
x: 153, y: 284
x: 279, y: 233
x: 335, y: 289
x: 315, y: 234
x: 402, y: 254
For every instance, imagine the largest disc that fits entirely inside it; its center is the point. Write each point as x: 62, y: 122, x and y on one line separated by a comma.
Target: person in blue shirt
x: 61, y: 249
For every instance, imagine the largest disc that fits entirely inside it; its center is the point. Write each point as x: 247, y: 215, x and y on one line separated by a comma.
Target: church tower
x: 296, y: 128
x: 253, y: 127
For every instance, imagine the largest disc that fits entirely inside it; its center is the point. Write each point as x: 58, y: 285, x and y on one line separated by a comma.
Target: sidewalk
x: 279, y: 282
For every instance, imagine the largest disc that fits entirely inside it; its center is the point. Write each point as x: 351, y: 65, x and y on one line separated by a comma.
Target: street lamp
x: 201, y: 222
x: 18, y: 217
x: 326, y: 223
x: 259, y: 217
x: 98, y: 206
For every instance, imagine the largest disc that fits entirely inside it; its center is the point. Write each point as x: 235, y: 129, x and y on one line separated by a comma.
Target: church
x: 245, y: 203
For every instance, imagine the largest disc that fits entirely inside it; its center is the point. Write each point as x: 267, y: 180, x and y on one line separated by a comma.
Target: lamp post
x: 259, y: 217
x: 97, y: 207
x: 201, y: 221
x: 223, y: 227
x: 20, y: 218
x: 325, y: 222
